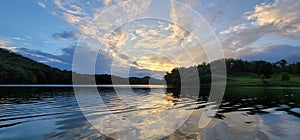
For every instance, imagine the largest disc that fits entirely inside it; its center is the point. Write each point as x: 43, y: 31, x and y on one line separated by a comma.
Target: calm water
x: 53, y: 113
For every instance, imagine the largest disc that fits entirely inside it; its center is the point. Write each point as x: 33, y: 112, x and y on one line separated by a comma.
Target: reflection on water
x: 53, y: 113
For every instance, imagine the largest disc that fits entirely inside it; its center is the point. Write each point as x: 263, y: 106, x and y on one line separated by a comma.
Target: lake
x: 53, y: 113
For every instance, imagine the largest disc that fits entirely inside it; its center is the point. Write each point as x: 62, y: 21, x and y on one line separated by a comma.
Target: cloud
x: 233, y: 29
x: 107, y: 2
x: 41, y: 4
x: 192, y: 3
x: 67, y: 35
x: 64, y: 61
x: 48, y: 59
x: 70, y: 11
x: 72, y: 19
x: 282, y: 14
x: 245, y: 38
x: 129, y: 42
x: 10, y: 48
x: 155, y: 63
x: 114, y: 41
x: 279, y: 18
x: 58, y: 61
x: 274, y: 53
x: 69, y: 7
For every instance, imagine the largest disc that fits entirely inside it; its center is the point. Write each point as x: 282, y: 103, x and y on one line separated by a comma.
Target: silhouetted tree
x: 282, y: 64
x: 285, y: 77
x: 262, y: 67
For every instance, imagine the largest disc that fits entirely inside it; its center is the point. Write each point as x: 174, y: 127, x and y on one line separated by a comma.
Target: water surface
x: 53, y: 113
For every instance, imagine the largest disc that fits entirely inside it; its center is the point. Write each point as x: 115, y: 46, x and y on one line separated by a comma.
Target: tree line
x: 16, y: 69
x: 235, y: 67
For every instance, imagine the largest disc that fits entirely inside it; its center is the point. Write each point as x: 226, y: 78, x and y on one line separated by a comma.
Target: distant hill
x: 16, y: 69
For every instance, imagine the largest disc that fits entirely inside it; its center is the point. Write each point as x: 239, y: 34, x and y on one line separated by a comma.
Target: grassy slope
x: 256, y: 80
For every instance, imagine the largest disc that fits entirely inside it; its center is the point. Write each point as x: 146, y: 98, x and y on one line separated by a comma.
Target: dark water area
x: 53, y: 113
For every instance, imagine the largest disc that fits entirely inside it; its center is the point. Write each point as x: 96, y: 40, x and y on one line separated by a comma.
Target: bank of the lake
x: 255, y: 80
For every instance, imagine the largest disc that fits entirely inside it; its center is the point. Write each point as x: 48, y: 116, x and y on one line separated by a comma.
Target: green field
x: 256, y: 80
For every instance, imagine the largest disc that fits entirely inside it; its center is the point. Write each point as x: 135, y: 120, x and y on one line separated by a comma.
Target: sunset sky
x: 48, y: 31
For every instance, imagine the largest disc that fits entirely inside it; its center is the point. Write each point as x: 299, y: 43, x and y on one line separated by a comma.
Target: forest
x: 16, y: 69
x: 241, y: 72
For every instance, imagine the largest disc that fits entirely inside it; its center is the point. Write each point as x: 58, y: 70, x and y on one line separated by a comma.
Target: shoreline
x: 70, y: 85
x: 148, y: 86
